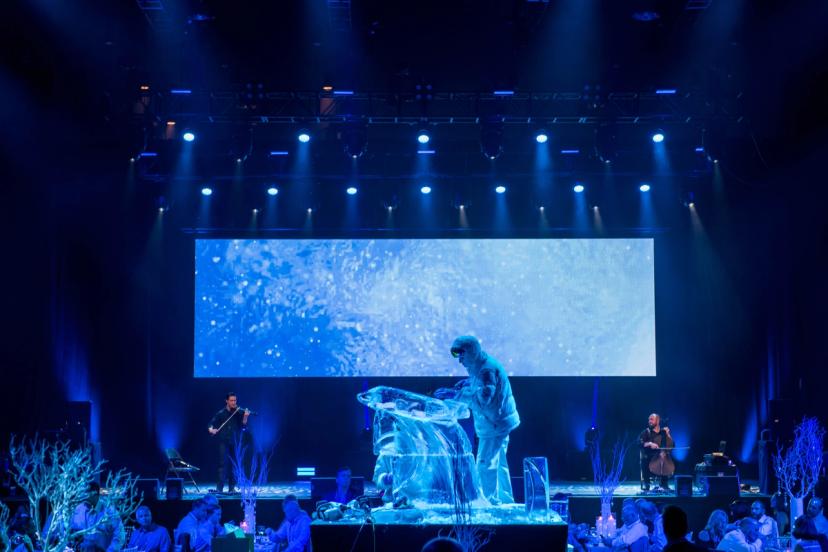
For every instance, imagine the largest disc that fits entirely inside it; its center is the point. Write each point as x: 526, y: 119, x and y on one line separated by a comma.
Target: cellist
x: 652, y: 440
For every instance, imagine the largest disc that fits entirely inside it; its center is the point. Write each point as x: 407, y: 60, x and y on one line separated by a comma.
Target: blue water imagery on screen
x: 391, y: 307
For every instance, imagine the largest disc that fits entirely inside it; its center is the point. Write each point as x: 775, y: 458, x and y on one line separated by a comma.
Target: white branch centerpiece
x: 249, y: 480
x: 798, y: 466
x: 607, y: 478
x: 60, y: 475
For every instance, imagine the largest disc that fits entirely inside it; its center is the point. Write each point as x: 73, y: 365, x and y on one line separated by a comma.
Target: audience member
x: 343, y: 492
x: 633, y: 531
x: 779, y: 508
x: 808, y: 538
x: 187, y: 534
x: 109, y: 534
x: 295, y: 529
x: 655, y: 527
x: 148, y: 536
x: 442, y: 544
x: 744, y: 538
x: 714, y: 531
x: 676, y: 530
x: 768, y: 529
x: 814, y: 511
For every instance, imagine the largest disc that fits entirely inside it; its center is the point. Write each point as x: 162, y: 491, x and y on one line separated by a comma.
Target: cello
x: 662, y: 464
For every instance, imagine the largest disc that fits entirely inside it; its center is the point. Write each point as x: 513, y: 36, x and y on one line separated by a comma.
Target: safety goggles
x: 455, y: 351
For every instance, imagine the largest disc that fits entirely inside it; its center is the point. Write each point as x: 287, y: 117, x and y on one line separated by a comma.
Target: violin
x: 662, y: 464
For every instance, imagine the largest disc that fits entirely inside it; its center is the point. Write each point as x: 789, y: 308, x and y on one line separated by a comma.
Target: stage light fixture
x: 188, y: 136
x: 355, y: 140
x: 491, y: 139
x: 578, y: 188
x: 351, y: 191
x: 423, y: 137
x: 541, y: 137
x: 644, y: 187
x: 606, y: 143
x: 425, y: 190
x: 206, y: 191
x: 500, y: 189
x: 658, y: 137
x: 272, y: 191
x: 303, y: 137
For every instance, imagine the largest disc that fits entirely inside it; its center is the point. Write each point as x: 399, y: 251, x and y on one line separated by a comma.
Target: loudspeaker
x: 228, y: 544
x: 724, y: 485
x: 684, y: 485
x: 147, y: 489
x: 175, y: 488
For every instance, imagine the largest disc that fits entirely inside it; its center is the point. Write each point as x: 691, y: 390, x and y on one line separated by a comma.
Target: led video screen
x: 391, y: 307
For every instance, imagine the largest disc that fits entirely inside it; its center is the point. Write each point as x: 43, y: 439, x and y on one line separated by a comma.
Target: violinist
x: 228, y: 427
x: 654, y: 459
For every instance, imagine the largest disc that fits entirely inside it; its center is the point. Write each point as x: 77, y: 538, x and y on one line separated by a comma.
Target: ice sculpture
x: 421, y: 446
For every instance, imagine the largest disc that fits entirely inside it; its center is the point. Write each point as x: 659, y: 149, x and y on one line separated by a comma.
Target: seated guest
x: 211, y: 527
x: 779, y: 513
x: 744, y: 538
x: 676, y: 529
x: 578, y: 537
x: 295, y: 529
x: 187, y: 534
x: 655, y: 526
x: 768, y: 530
x: 714, y: 531
x: 814, y: 511
x: 631, y: 532
x: 149, y: 537
x: 808, y: 538
x: 108, y: 533
x: 442, y: 544
x: 212, y: 524
x: 343, y: 493
x: 22, y: 532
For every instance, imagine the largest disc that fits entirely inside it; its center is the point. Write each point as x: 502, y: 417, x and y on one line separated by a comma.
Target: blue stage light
x: 188, y: 136
x: 541, y: 137
x: 644, y: 187
x: 423, y: 137
x: 425, y: 190
x: 303, y: 137
x: 272, y: 191
x: 578, y: 188
x: 206, y: 191
x: 658, y: 137
x: 500, y: 189
x: 351, y: 190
